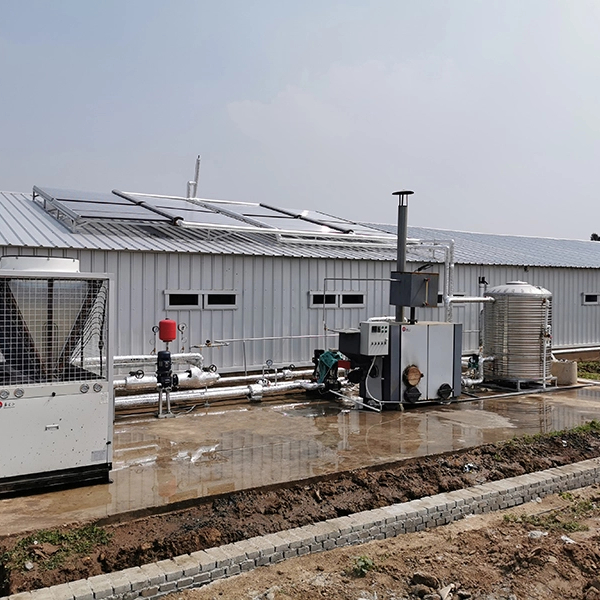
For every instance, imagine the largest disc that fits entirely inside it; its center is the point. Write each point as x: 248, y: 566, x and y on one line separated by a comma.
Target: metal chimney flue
x: 402, y: 237
x: 192, y: 186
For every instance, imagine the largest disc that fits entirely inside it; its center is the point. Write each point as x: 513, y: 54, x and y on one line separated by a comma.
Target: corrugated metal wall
x: 574, y: 324
x: 273, y: 300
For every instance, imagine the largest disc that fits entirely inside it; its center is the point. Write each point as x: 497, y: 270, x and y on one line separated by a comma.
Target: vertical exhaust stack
x: 192, y: 186
x: 402, y: 237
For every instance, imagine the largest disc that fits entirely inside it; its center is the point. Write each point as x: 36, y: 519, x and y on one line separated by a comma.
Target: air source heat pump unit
x: 56, y: 397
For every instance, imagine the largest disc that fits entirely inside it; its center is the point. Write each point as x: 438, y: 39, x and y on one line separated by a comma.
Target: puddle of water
x: 218, y: 450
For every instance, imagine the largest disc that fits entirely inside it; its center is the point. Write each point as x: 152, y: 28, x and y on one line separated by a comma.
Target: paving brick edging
x: 196, y: 569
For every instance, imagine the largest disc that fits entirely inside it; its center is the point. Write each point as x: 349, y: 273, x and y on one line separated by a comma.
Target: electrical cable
x: 367, y: 384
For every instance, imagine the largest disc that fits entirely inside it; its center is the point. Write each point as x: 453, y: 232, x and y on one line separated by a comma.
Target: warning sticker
x: 98, y: 455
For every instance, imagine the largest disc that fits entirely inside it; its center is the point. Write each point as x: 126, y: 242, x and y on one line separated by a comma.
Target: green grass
x: 362, y: 565
x: 49, y: 548
x: 592, y: 426
x: 588, y: 369
x: 565, y: 519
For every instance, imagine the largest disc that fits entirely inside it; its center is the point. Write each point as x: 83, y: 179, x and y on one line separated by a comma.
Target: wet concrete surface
x: 221, y: 449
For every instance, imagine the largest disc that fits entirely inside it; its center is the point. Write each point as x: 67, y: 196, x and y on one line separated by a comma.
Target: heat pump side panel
x: 44, y: 433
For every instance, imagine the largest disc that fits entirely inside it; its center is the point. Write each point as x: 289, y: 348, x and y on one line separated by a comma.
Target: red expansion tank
x: 167, y: 330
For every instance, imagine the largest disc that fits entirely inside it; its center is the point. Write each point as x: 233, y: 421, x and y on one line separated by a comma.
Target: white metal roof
x: 23, y: 223
x: 516, y: 250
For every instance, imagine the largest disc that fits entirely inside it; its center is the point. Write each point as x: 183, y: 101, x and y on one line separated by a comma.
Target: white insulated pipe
x: 194, y: 377
x: 136, y: 360
x: 469, y: 299
x: 283, y: 374
x: 253, y: 391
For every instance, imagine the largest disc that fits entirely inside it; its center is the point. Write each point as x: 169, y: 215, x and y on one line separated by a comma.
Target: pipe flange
x: 255, y: 392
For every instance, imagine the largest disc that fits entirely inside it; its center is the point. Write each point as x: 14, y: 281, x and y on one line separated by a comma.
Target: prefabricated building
x: 244, y: 293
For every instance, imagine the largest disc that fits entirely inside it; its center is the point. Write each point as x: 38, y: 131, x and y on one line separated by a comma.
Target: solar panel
x: 356, y: 227
x: 195, y: 212
x: 77, y: 206
x: 290, y: 220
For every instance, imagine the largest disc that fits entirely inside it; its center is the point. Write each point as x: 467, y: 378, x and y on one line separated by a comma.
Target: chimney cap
x: 403, y: 193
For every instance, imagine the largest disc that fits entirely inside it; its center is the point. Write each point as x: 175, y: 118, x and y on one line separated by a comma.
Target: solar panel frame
x: 75, y: 208
x: 213, y: 216
x: 79, y: 206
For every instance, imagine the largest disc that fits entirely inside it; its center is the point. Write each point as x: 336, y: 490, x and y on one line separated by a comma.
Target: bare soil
x: 487, y: 557
x: 41, y: 559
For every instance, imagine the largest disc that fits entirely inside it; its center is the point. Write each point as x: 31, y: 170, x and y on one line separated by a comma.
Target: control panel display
x: 374, y: 336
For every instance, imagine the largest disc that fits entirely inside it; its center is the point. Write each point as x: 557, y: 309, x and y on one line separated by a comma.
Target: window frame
x: 586, y: 302
x: 337, y: 296
x: 228, y: 306
x: 343, y: 304
x: 202, y: 296
x: 169, y: 306
x: 313, y: 304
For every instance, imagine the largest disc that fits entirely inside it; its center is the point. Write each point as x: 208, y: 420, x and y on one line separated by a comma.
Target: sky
x: 489, y: 110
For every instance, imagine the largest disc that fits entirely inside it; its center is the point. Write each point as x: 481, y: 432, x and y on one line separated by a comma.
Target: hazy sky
x: 489, y: 111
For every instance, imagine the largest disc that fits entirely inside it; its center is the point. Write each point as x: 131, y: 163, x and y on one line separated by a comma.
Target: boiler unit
x: 419, y: 361
x: 401, y: 360
x: 56, y: 396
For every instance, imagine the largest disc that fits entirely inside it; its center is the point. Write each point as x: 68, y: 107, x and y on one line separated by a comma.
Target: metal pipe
x: 482, y: 286
x: 134, y: 360
x: 242, y: 391
x: 448, y: 280
x: 402, y: 236
x: 273, y: 230
x: 175, y: 219
x: 286, y: 373
x: 470, y: 299
x: 447, y: 246
x: 262, y: 339
x: 571, y: 350
x: 196, y: 176
x: 469, y: 382
x: 547, y: 340
x: 192, y: 378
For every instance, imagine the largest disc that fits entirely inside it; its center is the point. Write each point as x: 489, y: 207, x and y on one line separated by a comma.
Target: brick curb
x: 196, y: 569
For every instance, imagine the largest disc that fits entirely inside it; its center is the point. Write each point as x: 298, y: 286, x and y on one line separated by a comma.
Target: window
x: 182, y: 299
x: 352, y: 299
x: 319, y: 299
x: 590, y: 299
x: 336, y: 299
x: 198, y: 300
x: 220, y: 300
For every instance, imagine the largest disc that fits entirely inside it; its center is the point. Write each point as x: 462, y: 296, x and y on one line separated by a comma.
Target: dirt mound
x: 524, y: 554
x: 99, y: 549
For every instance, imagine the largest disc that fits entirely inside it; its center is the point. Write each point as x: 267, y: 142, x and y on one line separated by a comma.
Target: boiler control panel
x: 374, y: 338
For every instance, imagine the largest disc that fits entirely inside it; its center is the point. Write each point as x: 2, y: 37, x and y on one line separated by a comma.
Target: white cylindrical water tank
x: 517, y: 333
